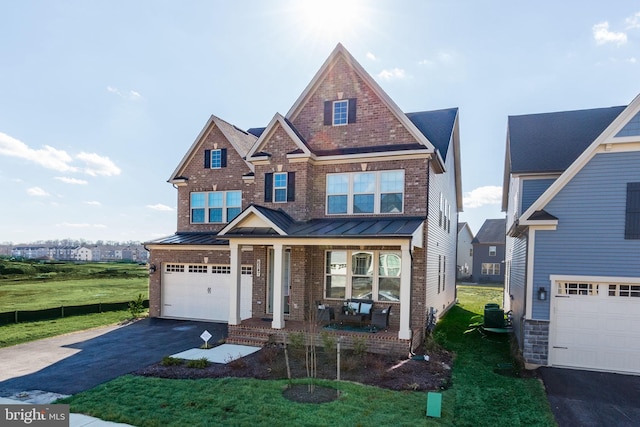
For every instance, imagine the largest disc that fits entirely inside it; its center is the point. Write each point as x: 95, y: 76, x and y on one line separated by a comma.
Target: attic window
x: 340, y: 112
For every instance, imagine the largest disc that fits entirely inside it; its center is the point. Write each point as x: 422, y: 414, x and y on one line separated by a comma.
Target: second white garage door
x: 201, y: 291
x: 595, y: 326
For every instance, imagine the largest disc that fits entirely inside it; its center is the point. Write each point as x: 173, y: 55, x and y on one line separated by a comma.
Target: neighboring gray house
x: 488, y: 252
x: 572, y: 197
x: 465, y: 251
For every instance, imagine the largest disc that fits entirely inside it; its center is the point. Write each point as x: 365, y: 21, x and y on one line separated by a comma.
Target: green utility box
x: 493, y: 316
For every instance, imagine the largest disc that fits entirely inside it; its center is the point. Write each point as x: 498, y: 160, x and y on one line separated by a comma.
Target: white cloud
x: 98, y: 165
x: 393, y: 74
x: 131, y: 95
x: 160, y: 207
x: 80, y: 225
x: 48, y: 157
x: 37, y: 191
x: 68, y: 180
x: 371, y: 56
x: 59, y: 160
x: 487, y: 195
x: 633, y: 21
x: 93, y: 203
x: 444, y: 57
x: 602, y: 35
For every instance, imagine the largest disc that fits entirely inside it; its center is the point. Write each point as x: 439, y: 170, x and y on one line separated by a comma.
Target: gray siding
x: 532, y: 189
x: 517, y: 280
x: 441, y: 242
x: 589, y: 239
x: 481, y: 255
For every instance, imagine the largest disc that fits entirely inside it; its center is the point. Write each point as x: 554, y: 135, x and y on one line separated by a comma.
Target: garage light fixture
x: 542, y: 294
x: 152, y: 268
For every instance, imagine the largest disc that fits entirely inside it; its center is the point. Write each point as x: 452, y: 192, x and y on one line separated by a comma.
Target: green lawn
x: 42, y: 286
x: 18, y: 333
x: 478, y: 396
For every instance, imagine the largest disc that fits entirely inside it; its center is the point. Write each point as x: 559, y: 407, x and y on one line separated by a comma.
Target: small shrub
x: 237, y: 363
x: 328, y: 342
x: 268, y: 355
x: 171, y: 361
x: 350, y: 363
x: 198, y: 363
x: 136, y: 308
x: 296, y: 341
x: 359, y: 346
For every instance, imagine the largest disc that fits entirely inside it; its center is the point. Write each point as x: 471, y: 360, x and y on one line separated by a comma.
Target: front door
x: 286, y: 282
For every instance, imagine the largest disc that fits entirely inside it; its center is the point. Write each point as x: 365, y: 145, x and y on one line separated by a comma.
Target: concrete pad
x: 224, y: 353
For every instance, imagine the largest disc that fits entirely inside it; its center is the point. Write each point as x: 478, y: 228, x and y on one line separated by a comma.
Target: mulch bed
x: 395, y: 373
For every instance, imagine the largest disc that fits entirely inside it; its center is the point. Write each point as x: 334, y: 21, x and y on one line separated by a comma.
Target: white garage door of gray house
x: 201, y: 291
x: 595, y: 325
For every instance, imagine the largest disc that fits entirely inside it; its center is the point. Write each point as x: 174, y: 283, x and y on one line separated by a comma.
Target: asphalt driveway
x: 584, y: 398
x: 79, y: 361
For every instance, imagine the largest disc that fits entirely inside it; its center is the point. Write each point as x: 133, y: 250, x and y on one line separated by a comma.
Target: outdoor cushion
x: 365, y: 308
x: 355, y: 306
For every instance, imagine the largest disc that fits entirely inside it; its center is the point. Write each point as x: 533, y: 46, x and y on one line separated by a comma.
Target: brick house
x: 343, y: 197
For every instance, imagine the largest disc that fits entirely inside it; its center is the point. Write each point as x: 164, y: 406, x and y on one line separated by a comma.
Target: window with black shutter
x: 215, y: 159
x: 632, y: 218
x: 268, y: 187
x: 340, y: 112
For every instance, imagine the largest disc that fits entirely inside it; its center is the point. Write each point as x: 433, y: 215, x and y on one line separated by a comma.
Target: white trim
x: 606, y: 137
x: 277, y: 119
x: 251, y: 210
x: 592, y: 279
x: 340, y: 50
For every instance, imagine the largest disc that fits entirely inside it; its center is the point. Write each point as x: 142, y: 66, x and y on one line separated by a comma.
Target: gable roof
x: 278, y: 121
x: 492, y: 231
x: 550, y: 142
x: 606, y: 141
x: 437, y: 126
x: 241, y: 141
x: 341, y: 52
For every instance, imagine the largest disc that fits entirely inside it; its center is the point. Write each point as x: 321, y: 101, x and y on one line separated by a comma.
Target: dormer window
x: 340, y: 112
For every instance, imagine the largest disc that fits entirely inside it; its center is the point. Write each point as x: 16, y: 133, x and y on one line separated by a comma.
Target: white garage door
x: 596, y: 326
x: 201, y: 291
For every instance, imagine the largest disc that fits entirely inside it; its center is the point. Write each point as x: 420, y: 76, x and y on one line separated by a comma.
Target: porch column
x: 278, y: 295
x: 405, y: 294
x: 234, y: 294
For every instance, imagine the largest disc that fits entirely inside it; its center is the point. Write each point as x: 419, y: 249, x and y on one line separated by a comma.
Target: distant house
x: 83, y: 254
x: 488, y: 252
x: 345, y: 196
x: 465, y: 251
x: 572, y: 197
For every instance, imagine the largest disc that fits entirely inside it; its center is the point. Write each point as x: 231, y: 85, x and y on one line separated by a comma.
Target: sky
x: 100, y: 100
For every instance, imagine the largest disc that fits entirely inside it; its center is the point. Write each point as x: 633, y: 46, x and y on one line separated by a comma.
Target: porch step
x: 254, y: 337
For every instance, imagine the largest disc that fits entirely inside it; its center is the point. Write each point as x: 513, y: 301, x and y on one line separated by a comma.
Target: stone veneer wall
x: 536, y: 342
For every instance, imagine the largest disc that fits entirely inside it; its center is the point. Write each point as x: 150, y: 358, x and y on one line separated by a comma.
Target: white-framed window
x: 490, y: 269
x: 221, y: 269
x: 215, y: 206
x: 280, y: 187
x: 492, y: 250
x: 621, y: 290
x: 371, y: 274
x: 340, y: 112
x: 574, y: 288
x: 216, y: 159
x: 174, y: 268
x: 377, y: 192
x: 197, y: 268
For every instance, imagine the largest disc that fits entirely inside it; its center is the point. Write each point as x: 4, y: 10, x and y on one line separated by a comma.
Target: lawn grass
x: 478, y: 396
x: 18, y: 333
x: 151, y: 402
x: 482, y: 396
x: 49, y: 286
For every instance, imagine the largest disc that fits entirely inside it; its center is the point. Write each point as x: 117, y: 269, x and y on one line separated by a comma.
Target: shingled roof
x: 492, y: 231
x: 550, y: 142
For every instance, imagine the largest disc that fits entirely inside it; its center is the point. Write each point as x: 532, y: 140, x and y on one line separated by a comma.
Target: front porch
x: 258, y: 331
